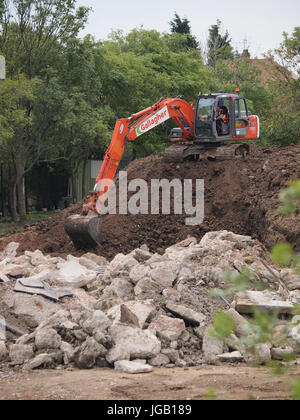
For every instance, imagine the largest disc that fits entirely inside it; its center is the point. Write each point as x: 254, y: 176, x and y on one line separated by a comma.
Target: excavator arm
x: 129, y: 129
x: 84, y: 230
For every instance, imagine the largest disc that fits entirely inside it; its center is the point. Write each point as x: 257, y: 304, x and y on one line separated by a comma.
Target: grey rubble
x: 140, y: 310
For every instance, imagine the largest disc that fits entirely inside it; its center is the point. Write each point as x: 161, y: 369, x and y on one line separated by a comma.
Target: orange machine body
x: 241, y: 127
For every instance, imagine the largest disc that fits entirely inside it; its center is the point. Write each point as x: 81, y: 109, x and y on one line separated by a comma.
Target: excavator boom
x: 84, y: 230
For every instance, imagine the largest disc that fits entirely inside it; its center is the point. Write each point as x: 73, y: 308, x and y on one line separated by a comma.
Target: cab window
x: 241, y: 118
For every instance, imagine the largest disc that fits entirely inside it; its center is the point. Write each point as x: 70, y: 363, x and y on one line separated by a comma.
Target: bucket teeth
x: 84, y: 231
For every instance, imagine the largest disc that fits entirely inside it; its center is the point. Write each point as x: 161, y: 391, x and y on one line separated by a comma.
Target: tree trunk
x: 12, y: 198
x: 21, y: 198
x: 74, y: 188
x: 84, y: 192
x: 20, y: 174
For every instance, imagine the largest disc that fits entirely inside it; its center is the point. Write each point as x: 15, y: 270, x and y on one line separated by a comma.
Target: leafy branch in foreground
x: 264, y: 328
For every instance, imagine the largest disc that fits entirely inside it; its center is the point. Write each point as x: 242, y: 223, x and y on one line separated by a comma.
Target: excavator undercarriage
x: 209, y: 151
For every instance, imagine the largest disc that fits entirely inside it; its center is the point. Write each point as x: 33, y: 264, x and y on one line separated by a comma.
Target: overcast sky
x: 259, y: 22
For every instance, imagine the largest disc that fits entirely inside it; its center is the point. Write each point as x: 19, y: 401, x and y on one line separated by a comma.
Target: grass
x: 7, y: 226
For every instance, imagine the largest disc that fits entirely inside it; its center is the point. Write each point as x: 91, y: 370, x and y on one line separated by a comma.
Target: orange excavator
x: 208, y: 130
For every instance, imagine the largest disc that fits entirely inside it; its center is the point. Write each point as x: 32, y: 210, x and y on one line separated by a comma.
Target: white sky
x: 260, y: 22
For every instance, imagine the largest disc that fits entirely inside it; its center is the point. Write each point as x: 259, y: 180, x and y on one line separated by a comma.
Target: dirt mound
x: 240, y: 196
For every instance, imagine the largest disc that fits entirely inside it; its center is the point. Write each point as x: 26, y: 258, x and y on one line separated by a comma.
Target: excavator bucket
x: 84, y: 231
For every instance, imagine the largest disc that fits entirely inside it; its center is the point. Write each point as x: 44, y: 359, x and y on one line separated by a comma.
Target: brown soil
x: 240, y: 196
x: 227, y: 382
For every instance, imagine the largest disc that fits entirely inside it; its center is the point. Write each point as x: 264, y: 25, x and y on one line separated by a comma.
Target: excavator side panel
x: 253, y: 130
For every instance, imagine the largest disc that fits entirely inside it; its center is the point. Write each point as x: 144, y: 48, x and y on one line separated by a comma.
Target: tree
x: 143, y: 66
x: 17, y: 123
x: 183, y: 27
x: 34, y: 29
x: 283, y: 123
x: 219, y: 45
x: 33, y: 35
x: 243, y: 73
x: 69, y: 108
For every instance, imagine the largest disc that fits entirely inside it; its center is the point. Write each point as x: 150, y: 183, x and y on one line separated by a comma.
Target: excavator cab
x: 224, y: 117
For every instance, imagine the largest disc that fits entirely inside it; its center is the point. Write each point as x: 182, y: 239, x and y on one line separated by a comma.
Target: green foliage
x: 219, y: 45
x: 282, y: 126
x: 182, y: 26
x: 210, y: 395
x: 238, y: 282
x: 33, y: 32
x: 223, y: 325
x: 144, y: 66
x: 263, y: 325
x: 282, y: 254
x: 290, y: 199
x: 295, y: 388
x: 290, y: 203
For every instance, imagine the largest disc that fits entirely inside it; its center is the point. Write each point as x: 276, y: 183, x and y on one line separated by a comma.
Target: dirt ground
x: 227, y: 383
x: 240, y: 196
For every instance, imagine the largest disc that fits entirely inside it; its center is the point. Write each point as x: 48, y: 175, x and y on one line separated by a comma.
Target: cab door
x: 241, y: 118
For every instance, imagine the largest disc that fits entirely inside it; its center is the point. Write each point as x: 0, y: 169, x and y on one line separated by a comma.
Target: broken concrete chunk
x: 26, y: 339
x: 141, y: 255
x: 294, y: 334
x: 213, y: 237
x: 121, y: 263
x: 20, y: 353
x: 15, y: 270
x: 212, y: 346
x: 282, y: 354
x: 242, y: 326
x: 139, y: 272
x: 128, y: 317
x: 139, y: 343
x: 97, y: 321
x: 3, y: 352
x: 38, y: 361
x: 34, y: 309
x: 10, y: 251
x: 120, y: 288
x: 132, y: 367
x: 68, y: 351
x: 191, y: 317
x: 97, y: 259
x: 159, y: 360
x: 172, y: 354
x: 2, y: 328
x: 37, y: 258
x: 248, y: 301
x: 141, y: 310
x: 88, y: 354
x: 291, y: 280
x: 47, y: 338
x: 4, y: 278
x: 72, y: 273
x: 234, y: 357
x: 87, y: 263
x: 148, y: 286
x: 262, y: 353
x: 116, y: 353
x: 163, y: 276
x: 168, y: 328
x: 172, y: 294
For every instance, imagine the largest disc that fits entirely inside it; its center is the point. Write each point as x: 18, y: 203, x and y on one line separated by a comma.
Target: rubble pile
x: 140, y: 310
